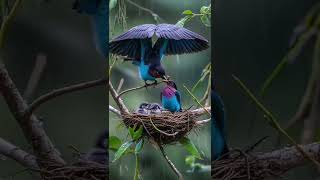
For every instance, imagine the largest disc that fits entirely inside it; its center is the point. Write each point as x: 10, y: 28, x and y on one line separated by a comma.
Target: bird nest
x: 239, y: 165
x: 81, y: 170
x: 164, y: 128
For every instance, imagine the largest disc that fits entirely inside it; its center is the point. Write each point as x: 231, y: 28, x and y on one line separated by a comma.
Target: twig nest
x: 241, y: 166
x: 164, y: 128
x: 86, y: 170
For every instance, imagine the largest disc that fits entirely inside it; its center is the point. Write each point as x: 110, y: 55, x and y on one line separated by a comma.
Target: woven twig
x: 77, y: 171
x: 164, y: 128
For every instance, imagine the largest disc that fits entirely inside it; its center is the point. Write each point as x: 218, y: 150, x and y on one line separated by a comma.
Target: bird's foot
x: 155, y: 83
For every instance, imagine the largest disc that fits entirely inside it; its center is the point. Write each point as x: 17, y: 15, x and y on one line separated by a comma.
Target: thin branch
x: 201, y: 122
x: 118, y: 100
x: 120, y: 85
x: 7, y: 20
x: 156, y: 16
x: 195, y: 99
x: 274, y: 122
x: 311, y: 122
x: 114, y: 110
x: 137, y: 88
x: 58, y: 92
x: 156, y: 128
x: 172, y: 166
x: 35, y: 76
x: 31, y: 127
x: 11, y: 151
x: 206, y: 97
x: 200, y: 110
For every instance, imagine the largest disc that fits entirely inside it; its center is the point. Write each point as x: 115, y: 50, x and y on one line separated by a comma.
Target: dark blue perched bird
x: 170, y: 97
x: 136, y: 45
x: 99, y: 153
x: 99, y: 12
x: 218, y: 139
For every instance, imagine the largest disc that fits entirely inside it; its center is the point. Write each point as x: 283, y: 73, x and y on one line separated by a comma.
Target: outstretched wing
x: 178, y: 40
x: 133, y: 43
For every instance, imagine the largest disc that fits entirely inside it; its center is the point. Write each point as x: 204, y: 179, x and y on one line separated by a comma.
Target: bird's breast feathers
x: 171, y: 103
x: 144, y: 72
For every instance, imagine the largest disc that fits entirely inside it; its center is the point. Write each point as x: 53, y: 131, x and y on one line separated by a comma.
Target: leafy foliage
x: 204, y: 14
x: 190, y: 147
x: 303, y: 33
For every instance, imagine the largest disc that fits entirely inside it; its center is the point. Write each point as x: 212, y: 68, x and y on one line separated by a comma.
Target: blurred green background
x: 64, y: 36
x: 249, y: 40
x: 185, y: 69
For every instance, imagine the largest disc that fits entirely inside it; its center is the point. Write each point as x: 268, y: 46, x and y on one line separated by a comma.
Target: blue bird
x: 99, y: 13
x: 171, y: 98
x: 218, y: 139
x: 136, y: 45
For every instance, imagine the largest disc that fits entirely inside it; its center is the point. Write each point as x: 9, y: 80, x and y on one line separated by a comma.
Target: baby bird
x: 170, y: 97
x: 143, y: 108
x: 149, y: 108
x: 155, y: 108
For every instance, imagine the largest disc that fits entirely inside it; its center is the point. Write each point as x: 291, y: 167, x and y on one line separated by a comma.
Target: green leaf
x: 114, y: 143
x: 123, y: 148
x: 190, y: 147
x: 139, y: 146
x: 131, y: 130
x: 187, y: 12
x: 182, y: 21
x: 190, y: 160
x: 205, y: 20
x: 137, y: 134
x: 137, y: 175
x: 204, y: 9
x: 112, y: 4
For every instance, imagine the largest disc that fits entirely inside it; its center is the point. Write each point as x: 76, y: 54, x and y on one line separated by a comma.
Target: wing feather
x: 128, y: 44
x: 180, y: 40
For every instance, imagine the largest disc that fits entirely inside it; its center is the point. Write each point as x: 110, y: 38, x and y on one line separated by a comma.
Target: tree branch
x: 39, y: 66
x: 7, y: 20
x: 203, y: 121
x: 156, y: 16
x: 117, y: 99
x: 114, y: 110
x: 172, y: 166
x: 58, y: 92
x: 30, y: 125
x: 137, y: 88
x: 11, y: 151
x: 200, y: 110
x: 264, y: 165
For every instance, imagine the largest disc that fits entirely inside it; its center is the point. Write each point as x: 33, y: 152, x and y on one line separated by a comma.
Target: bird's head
x: 144, y: 105
x: 157, y: 71
x: 87, y: 6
